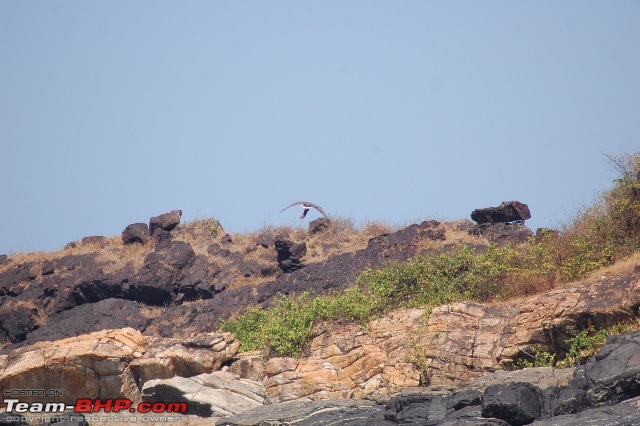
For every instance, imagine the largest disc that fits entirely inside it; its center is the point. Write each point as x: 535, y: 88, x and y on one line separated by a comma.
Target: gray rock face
x: 217, y: 393
x: 613, y: 375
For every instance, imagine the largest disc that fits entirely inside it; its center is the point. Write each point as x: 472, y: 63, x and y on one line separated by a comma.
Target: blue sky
x: 115, y: 111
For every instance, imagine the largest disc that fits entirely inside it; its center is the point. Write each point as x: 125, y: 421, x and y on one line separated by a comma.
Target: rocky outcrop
x: 501, y: 233
x: 136, y: 233
x: 94, y: 364
x: 109, y: 364
x: 319, y: 225
x: 507, y: 399
x: 166, y: 221
x: 170, y: 274
x: 459, y: 342
x: 166, y: 358
x: 206, y: 395
x: 508, y: 211
x: 613, y: 375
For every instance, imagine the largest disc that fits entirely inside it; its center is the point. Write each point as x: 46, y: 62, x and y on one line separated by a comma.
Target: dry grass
x: 343, y: 236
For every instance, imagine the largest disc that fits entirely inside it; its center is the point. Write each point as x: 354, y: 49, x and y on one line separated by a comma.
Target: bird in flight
x: 306, y: 206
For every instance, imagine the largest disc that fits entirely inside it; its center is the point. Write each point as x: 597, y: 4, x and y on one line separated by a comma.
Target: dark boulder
x: 563, y: 400
x: 289, y: 254
x: 3, y: 258
x: 166, y: 221
x: 226, y: 239
x: 613, y: 374
x: 158, y: 281
x: 10, y: 278
x: 265, y: 240
x: 517, y: 403
x: 500, y: 233
x: 103, y: 315
x: 136, y: 233
x: 18, y: 318
x: 319, y: 225
x: 48, y: 267
x: 508, y: 211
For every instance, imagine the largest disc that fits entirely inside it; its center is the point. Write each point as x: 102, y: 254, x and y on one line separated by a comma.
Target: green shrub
x: 582, y: 346
x: 587, y: 342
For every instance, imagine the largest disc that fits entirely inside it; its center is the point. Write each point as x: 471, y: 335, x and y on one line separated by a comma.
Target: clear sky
x: 115, y: 111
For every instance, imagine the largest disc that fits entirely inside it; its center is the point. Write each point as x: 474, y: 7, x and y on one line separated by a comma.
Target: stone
x: 265, y: 240
x: 136, y: 233
x: 249, y: 365
x: 3, y: 259
x: 518, y: 403
x: 508, y: 211
x: 166, y: 221
x: 90, y: 366
x: 613, y: 374
x: 217, y: 393
x: 289, y: 254
x: 318, y: 226
x: 563, y: 400
x: 501, y: 233
x: 98, y: 240
x: 17, y: 318
x: 166, y: 357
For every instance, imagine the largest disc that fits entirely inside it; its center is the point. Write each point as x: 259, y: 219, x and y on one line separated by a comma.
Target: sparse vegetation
x: 582, y: 346
x: 599, y: 236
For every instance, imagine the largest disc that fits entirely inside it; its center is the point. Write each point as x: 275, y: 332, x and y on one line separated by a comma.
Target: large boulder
x: 166, y: 221
x: 613, y: 374
x: 167, y: 357
x: 90, y: 366
x: 206, y: 395
x: 518, y: 403
x: 136, y: 233
x: 290, y: 254
x: 508, y: 211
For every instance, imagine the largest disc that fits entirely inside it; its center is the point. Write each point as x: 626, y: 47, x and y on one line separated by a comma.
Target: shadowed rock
x: 166, y: 221
x: 136, y: 233
x: 508, y: 211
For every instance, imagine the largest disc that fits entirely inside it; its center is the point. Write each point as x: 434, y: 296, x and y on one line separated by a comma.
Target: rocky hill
x: 138, y: 316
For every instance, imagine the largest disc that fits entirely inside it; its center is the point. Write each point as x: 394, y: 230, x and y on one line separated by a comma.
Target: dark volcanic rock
x: 3, y: 258
x: 319, y: 225
x: 558, y: 401
x: 613, y: 374
x: 136, y: 233
x: 626, y: 413
x: 18, y: 318
x: 518, y: 403
x: 265, y: 240
x: 103, y: 315
x: 508, y: 211
x: 289, y: 254
x: 502, y: 232
x: 166, y: 221
x: 10, y: 278
x: 94, y: 239
x: 158, y: 281
x: 335, y: 273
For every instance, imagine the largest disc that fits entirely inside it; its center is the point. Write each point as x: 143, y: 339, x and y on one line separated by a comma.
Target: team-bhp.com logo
x: 94, y: 406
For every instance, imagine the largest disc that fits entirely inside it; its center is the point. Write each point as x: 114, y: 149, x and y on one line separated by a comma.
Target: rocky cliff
x: 137, y: 317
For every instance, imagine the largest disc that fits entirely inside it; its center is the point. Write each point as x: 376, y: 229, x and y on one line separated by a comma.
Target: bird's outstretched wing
x: 308, y: 204
x: 297, y: 203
